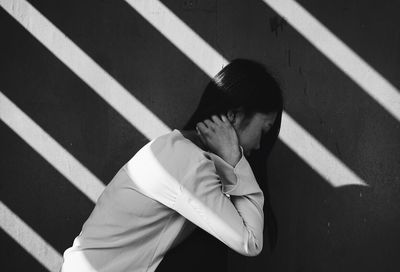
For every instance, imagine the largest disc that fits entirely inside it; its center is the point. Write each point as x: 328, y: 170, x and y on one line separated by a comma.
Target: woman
x: 199, y: 175
x: 242, y: 82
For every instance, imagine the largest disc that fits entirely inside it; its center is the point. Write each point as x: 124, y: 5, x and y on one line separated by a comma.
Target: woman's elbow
x: 256, y: 251
x: 252, y: 250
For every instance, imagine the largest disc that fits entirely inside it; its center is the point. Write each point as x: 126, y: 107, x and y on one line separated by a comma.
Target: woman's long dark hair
x: 248, y: 85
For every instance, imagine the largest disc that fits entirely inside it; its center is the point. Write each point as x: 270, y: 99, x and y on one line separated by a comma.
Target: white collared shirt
x: 144, y: 209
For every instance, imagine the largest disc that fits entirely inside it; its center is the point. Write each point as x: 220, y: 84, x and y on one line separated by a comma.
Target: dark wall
x: 321, y: 228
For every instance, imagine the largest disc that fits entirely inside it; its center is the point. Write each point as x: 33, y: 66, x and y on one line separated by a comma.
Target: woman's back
x: 129, y: 229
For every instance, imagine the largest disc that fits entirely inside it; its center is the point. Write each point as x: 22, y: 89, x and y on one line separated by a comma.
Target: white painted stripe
x: 49, y: 149
x: 86, y: 68
x: 180, y: 35
x: 318, y: 157
x: 29, y: 239
x: 340, y: 54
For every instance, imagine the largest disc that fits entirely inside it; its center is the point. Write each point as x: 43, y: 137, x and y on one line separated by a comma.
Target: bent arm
x: 237, y: 221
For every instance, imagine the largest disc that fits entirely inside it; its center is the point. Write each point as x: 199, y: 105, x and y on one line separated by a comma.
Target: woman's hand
x: 220, y: 137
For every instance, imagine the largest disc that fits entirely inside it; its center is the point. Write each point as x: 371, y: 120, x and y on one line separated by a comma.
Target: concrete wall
x: 321, y: 227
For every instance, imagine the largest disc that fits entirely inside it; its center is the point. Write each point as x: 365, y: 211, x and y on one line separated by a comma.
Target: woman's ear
x: 231, y: 115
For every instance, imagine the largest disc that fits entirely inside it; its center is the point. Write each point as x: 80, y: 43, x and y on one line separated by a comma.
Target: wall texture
x: 321, y: 227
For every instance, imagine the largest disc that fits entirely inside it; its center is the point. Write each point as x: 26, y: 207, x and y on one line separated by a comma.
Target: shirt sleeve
x: 237, y: 220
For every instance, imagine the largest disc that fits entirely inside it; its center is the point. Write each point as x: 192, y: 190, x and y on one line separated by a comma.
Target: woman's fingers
x: 213, y: 124
x: 216, y: 119
x: 201, y: 131
x: 209, y: 123
x: 224, y: 118
x: 201, y: 126
x: 226, y: 121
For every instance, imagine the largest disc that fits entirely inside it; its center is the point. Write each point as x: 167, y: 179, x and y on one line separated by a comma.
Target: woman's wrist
x: 232, y: 157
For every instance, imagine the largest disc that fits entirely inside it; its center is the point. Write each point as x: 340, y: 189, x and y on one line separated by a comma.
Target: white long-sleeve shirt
x: 143, y: 210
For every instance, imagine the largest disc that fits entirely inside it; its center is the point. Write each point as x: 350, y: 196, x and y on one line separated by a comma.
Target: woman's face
x: 251, y: 129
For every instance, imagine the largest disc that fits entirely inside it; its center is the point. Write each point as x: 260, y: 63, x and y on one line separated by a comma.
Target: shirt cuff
x: 238, y: 180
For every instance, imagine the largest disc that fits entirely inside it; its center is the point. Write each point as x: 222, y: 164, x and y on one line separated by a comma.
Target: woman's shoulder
x: 170, y: 147
x: 171, y: 154
x: 177, y: 144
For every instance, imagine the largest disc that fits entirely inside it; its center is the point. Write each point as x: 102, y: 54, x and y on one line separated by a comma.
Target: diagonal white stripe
x: 308, y: 148
x: 340, y: 54
x: 29, y: 239
x: 49, y: 149
x: 86, y: 68
x: 180, y: 35
x: 305, y: 145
